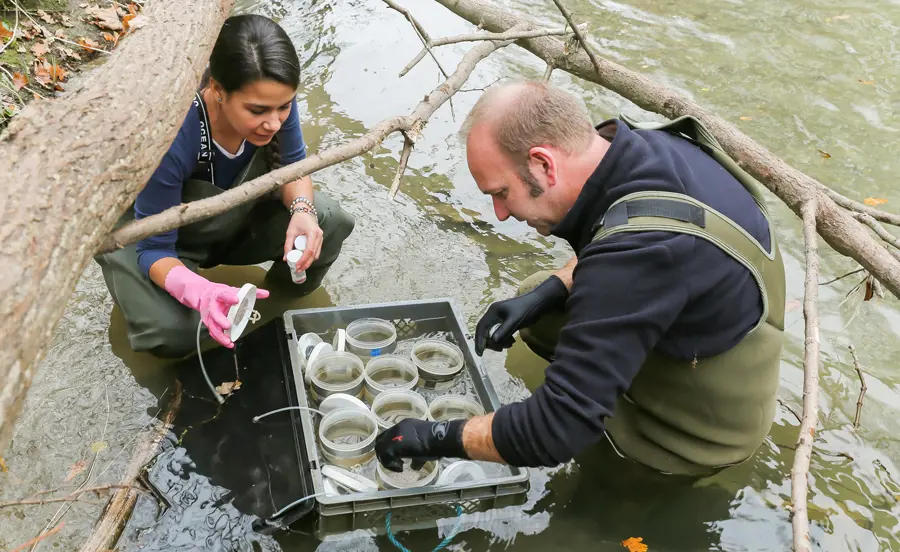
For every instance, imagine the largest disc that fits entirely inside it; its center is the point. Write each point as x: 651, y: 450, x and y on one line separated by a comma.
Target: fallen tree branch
x: 880, y: 231
x: 847, y: 203
x: 404, y: 159
x: 584, y: 43
x: 412, y: 124
x: 120, y: 505
x: 836, y: 226
x: 75, y: 495
x: 38, y: 538
x: 473, y: 37
x: 77, y: 153
x: 800, y: 469
x: 790, y: 409
x: 862, y: 387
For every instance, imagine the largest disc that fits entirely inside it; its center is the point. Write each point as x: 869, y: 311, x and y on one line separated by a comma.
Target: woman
x: 243, y: 123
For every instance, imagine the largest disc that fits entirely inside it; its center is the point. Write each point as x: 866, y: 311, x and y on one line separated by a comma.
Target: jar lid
x: 239, y: 314
x: 341, y: 400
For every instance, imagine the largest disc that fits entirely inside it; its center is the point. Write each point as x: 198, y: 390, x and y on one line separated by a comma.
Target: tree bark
x: 76, y: 163
x: 836, y: 226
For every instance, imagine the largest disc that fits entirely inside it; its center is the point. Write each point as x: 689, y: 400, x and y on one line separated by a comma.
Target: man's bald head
x: 523, y: 114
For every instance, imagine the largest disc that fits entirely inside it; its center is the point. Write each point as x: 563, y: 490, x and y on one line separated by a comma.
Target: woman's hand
x: 304, y: 224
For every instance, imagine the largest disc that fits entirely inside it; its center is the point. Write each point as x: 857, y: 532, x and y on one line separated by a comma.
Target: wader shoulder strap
x: 205, y: 157
x: 693, y: 130
x: 671, y: 212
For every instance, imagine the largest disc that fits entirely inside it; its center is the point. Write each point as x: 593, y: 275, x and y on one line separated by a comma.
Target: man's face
x: 496, y: 175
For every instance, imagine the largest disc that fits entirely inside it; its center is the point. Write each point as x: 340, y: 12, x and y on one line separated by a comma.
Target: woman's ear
x: 217, y: 90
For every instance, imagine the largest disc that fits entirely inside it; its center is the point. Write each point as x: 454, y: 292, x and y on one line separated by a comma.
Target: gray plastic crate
x: 413, y: 319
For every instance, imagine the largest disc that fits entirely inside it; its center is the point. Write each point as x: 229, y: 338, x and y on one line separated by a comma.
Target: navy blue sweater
x: 633, y: 293
x: 163, y: 190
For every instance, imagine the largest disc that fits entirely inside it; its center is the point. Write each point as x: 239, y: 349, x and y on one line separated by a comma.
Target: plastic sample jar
x: 336, y: 372
x: 370, y: 337
x: 392, y: 406
x: 347, y: 436
x: 408, y: 478
x: 439, y: 363
x: 388, y: 372
x: 454, y: 407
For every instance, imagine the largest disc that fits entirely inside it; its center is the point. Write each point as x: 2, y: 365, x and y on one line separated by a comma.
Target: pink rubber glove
x: 210, y: 299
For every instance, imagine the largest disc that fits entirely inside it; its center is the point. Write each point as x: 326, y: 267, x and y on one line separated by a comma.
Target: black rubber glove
x: 516, y: 313
x: 421, y: 441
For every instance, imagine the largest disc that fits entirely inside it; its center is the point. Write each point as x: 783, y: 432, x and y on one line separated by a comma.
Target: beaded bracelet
x: 307, y: 208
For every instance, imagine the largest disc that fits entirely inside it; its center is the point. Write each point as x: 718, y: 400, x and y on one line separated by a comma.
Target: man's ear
x: 542, y: 161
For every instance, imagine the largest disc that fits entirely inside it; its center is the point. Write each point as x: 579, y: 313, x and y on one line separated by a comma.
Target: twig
x: 498, y: 79
x: 857, y: 271
x: 862, y: 388
x: 790, y: 409
x: 404, y: 158
x: 38, y: 539
x: 800, y: 469
x: 71, y: 497
x: 204, y: 208
x: 473, y: 37
x: 547, y: 72
x: 880, y: 231
x: 584, y: 43
x: 426, y: 40
x: 847, y: 203
x: 14, y: 31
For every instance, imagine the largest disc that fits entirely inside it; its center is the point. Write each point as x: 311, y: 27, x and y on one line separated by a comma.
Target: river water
x: 815, y: 83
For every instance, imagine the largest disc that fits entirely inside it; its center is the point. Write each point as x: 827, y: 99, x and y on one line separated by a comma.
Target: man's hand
x: 421, y: 441
x: 516, y: 313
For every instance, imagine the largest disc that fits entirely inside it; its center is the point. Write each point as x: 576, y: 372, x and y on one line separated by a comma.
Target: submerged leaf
x: 3, y: 467
x: 228, y: 387
x: 75, y: 469
x: 874, y: 201
x: 635, y: 544
x: 99, y: 446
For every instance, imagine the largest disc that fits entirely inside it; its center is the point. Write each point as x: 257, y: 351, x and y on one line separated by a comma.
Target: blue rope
x: 443, y: 543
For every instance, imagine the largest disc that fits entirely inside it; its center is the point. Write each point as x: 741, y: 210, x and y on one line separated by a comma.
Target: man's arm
x: 565, y: 273
x: 478, y: 439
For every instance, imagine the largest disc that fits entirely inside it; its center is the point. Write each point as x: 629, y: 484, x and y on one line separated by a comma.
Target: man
x: 664, y: 332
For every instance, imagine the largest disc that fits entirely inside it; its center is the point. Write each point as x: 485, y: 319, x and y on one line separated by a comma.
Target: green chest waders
x: 694, y: 417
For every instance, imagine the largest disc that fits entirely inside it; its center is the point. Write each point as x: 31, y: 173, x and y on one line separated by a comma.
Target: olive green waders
x: 250, y: 233
x: 693, y: 417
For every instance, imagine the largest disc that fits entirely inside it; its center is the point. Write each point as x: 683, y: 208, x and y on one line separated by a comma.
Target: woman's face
x: 257, y: 110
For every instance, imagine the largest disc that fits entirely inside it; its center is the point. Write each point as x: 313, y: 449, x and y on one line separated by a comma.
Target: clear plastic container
x: 454, y: 407
x: 370, y: 337
x: 408, y: 478
x: 392, y: 406
x: 336, y: 372
x: 389, y: 372
x: 439, y: 363
x: 348, y: 436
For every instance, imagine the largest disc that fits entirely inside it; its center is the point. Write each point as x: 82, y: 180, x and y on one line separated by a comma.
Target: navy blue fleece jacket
x: 633, y: 293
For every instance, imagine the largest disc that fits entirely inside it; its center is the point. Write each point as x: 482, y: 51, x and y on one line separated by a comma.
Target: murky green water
x: 792, y: 75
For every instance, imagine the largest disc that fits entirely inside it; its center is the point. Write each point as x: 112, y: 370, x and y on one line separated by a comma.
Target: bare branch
x: 847, y: 203
x: 75, y: 495
x: 474, y: 37
x: 800, y: 469
x: 584, y: 43
x: 420, y: 32
x: 851, y: 273
x: 38, y: 538
x: 880, y: 230
x: 404, y: 158
x: 413, y: 123
x: 862, y: 388
x: 790, y: 409
x: 547, y: 72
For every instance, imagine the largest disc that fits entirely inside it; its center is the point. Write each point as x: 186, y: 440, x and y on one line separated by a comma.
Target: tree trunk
x: 76, y: 163
x: 836, y: 226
